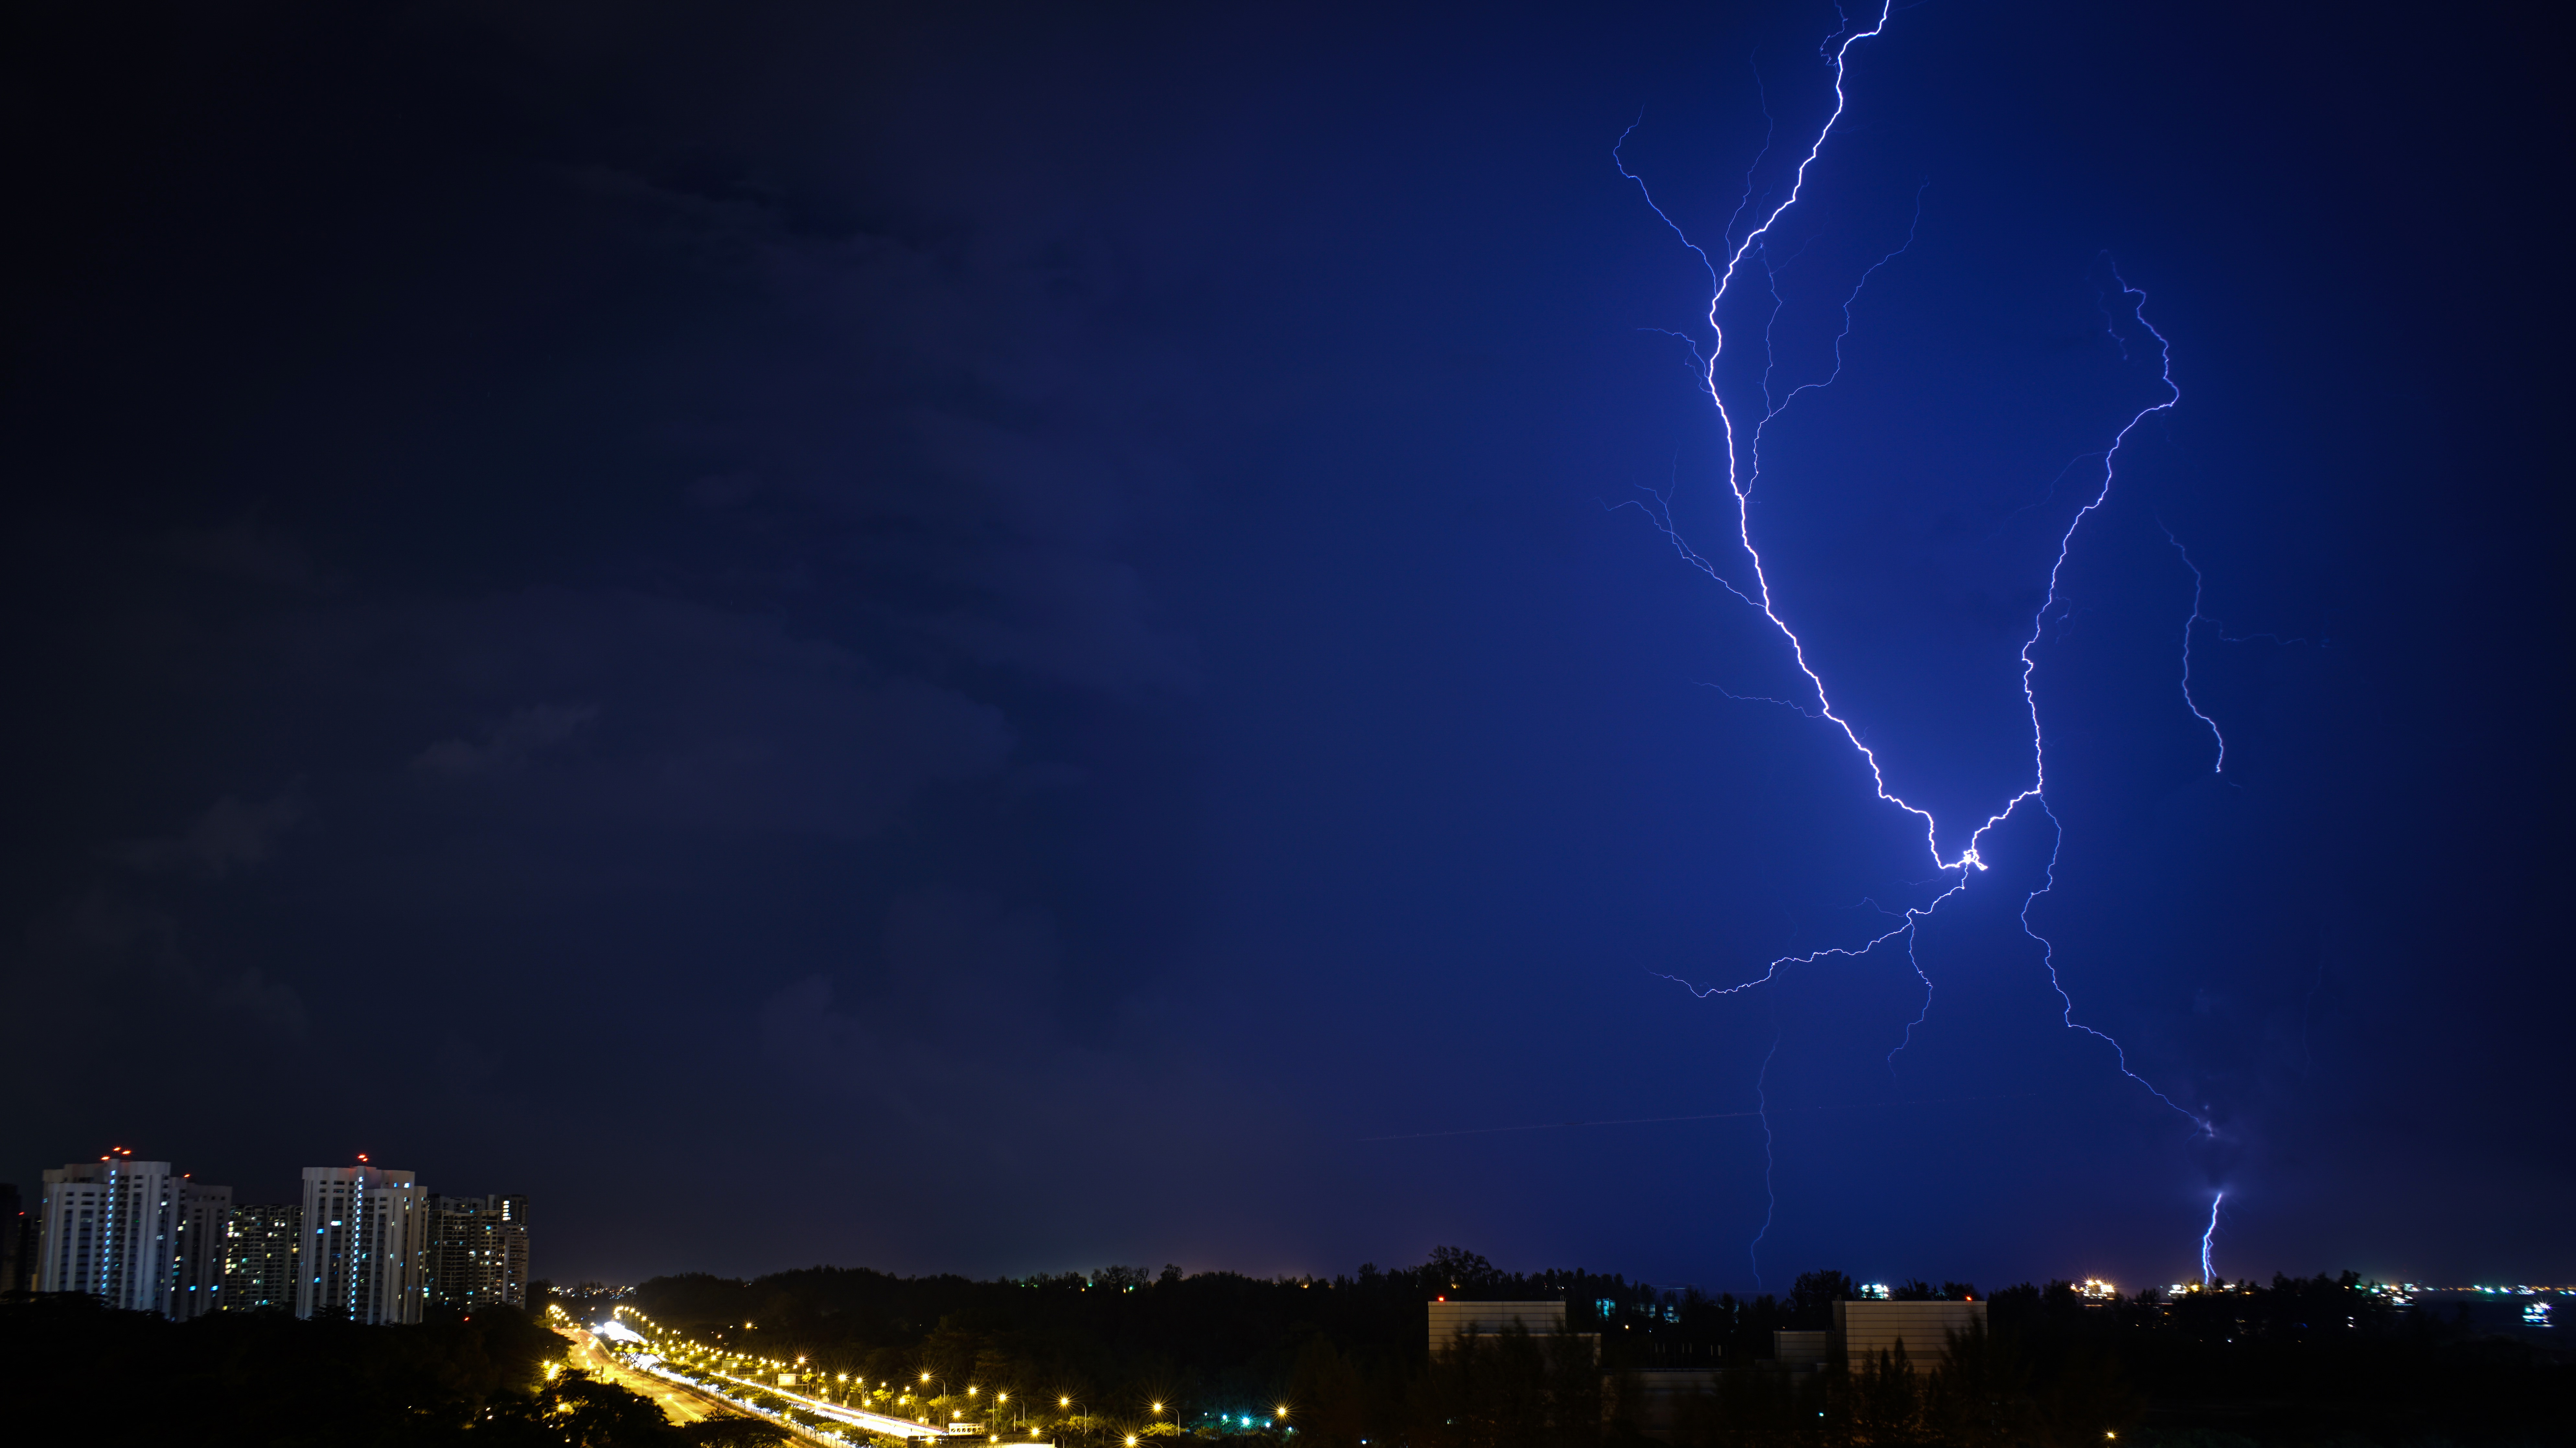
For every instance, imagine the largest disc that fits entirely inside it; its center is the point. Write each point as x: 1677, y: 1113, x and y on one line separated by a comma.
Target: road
x: 679, y: 1403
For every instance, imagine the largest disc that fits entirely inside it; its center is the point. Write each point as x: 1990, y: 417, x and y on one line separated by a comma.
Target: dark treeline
x: 1132, y: 1331
x: 73, y: 1371
x: 2323, y: 1361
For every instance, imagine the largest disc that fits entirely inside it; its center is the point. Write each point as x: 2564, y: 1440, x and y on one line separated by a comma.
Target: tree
x: 1813, y: 1295
x: 1330, y: 1395
x: 2088, y: 1399
x: 1886, y: 1402
x: 579, y: 1410
x: 731, y: 1430
x: 1979, y: 1396
x: 1462, y: 1270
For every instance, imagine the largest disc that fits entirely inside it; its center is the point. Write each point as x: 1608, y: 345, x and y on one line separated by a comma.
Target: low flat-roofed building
x: 1802, y: 1350
x: 1862, y: 1330
x: 1450, y: 1321
x: 1659, y: 1402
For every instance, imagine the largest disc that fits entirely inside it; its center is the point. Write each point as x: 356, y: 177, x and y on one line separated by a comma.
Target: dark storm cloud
x: 962, y: 976
x: 1036, y: 599
x: 693, y: 717
x: 954, y: 425
x: 229, y: 836
x: 878, y: 459
x: 507, y: 745
x: 110, y: 954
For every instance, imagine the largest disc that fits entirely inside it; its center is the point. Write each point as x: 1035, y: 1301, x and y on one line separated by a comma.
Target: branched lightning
x: 2207, y: 1274
x: 1743, y: 470
x: 1740, y: 484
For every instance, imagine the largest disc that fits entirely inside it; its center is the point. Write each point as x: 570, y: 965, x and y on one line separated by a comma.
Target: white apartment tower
x: 132, y: 1235
x: 365, y: 1230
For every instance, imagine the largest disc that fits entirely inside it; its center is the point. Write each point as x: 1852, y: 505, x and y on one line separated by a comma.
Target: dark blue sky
x: 986, y: 638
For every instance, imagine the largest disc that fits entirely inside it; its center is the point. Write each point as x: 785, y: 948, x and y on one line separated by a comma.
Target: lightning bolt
x: 1743, y: 471
x: 2207, y: 1276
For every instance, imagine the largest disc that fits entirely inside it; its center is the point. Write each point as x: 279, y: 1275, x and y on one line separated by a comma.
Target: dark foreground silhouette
x: 1090, y: 1361
x: 76, y: 1372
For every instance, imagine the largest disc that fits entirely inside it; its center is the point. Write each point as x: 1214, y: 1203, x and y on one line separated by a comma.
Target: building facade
x: 133, y: 1235
x: 1450, y: 1321
x: 478, y: 1252
x: 359, y: 1256
x: 199, y: 1215
x: 1454, y: 1322
x: 260, y: 1253
x: 1862, y: 1330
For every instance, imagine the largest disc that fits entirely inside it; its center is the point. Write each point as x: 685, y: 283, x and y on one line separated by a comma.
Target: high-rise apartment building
x: 198, y: 1216
x: 478, y: 1252
x: 260, y: 1253
x: 364, y: 1234
x: 133, y: 1235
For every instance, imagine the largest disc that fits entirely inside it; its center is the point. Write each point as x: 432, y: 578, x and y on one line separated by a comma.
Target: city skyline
x: 506, y: 1277
x: 362, y: 1243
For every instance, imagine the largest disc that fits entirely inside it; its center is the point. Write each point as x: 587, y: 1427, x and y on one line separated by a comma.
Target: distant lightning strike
x: 2208, y: 1275
x: 1740, y: 481
x: 1770, y: 1198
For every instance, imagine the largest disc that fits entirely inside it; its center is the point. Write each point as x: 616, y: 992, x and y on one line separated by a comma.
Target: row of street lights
x: 1000, y: 1399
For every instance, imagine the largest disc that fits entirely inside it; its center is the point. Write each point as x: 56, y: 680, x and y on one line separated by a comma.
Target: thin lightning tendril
x: 2190, y: 629
x: 1914, y: 963
x: 1742, y: 473
x: 2189, y: 625
x: 1770, y: 1198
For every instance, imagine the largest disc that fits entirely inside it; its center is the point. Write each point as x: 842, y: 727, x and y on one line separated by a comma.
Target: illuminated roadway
x: 873, y: 1422
x: 682, y: 1405
x: 685, y: 1404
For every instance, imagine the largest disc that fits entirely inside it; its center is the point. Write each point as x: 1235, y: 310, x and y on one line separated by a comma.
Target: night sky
x: 1006, y: 638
